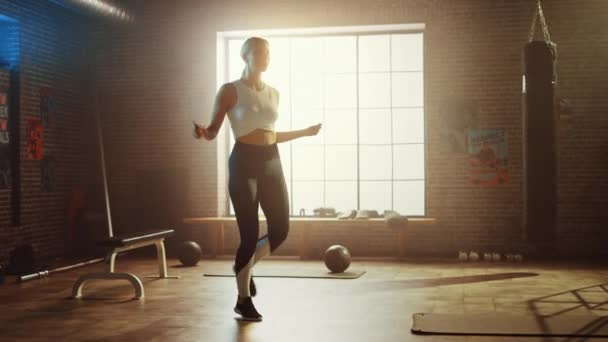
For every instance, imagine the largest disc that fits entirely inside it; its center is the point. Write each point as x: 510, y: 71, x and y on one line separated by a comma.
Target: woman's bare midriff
x: 259, y: 137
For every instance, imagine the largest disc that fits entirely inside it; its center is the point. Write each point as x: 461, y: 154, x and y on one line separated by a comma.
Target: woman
x: 256, y: 175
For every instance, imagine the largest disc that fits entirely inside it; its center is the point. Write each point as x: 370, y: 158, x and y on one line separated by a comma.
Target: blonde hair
x: 248, y: 44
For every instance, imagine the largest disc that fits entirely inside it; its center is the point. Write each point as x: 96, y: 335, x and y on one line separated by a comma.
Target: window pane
x: 341, y: 196
x: 374, y: 53
x: 408, y: 125
x: 408, y: 161
x: 284, y: 104
x: 307, y: 90
x: 375, y: 90
x: 375, y: 162
x: 279, y: 59
x: 375, y: 126
x: 277, y: 74
x: 340, y: 54
x: 340, y: 91
x: 307, y: 162
x: 408, y: 197
x: 407, y: 89
x: 285, y: 154
x: 307, y: 55
x: 340, y: 126
x: 235, y: 62
x: 307, y: 196
x: 407, y: 52
x: 376, y: 195
x: 283, y: 122
x: 307, y: 80
x: 341, y: 162
x: 303, y: 118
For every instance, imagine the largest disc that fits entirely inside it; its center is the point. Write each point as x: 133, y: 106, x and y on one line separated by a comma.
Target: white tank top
x: 253, y: 109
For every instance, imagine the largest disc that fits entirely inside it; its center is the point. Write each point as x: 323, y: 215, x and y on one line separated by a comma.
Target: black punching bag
x: 540, y: 152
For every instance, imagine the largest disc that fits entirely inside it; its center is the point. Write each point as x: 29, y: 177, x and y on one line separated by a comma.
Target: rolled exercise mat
x: 510, y: 324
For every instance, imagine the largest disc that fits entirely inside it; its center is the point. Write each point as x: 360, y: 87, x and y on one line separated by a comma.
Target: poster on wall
x: 4, y: 135
x: 34, y: 138
x: 5, y: 155
x: 488, y: 156
x: 47, y: 105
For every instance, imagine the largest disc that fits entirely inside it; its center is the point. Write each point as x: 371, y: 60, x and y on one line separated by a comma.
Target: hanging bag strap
x: 538, y: 13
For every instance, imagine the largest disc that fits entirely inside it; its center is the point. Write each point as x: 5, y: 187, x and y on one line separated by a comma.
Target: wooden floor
x: 376, y: 307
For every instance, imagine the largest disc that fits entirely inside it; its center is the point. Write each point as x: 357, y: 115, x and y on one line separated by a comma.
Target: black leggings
x: 256, y: 176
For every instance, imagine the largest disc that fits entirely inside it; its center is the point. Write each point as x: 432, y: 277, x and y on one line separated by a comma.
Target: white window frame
x: 223, y: 146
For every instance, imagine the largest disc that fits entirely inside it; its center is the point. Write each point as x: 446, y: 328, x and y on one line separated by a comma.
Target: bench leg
x: 137, y: 285
x: 111, y: 261
x: 162, y: 261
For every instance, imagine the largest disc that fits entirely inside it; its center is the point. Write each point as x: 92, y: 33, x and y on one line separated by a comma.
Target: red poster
x: 34, y: 138
x: 488, y: 157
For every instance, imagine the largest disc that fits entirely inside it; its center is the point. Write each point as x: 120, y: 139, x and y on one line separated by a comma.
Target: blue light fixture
x: 9, y: 43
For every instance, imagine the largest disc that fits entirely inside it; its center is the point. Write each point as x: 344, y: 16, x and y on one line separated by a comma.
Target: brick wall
x: 53, y: 46
x: 158, y: 74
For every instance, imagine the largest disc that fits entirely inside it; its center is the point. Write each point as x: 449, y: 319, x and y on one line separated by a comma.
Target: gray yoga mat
x: 510, y: 324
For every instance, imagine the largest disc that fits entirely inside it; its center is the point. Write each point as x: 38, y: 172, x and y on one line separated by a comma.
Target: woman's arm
x: 290, y: 135
x: 223, y: 102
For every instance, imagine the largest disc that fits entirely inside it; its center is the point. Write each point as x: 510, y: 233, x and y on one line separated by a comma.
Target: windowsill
x: 217, y: 226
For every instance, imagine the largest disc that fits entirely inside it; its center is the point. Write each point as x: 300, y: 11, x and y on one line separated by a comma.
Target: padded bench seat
x: 135, y: 238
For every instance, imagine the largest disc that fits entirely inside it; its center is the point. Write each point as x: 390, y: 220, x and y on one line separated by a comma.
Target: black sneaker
x: 247, y: 310
x: 252, y: 289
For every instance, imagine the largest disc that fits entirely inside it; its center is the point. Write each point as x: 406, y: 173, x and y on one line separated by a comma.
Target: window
x: 366, y: 86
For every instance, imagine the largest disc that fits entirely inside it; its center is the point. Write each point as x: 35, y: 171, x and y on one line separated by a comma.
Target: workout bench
x: 121, y: 244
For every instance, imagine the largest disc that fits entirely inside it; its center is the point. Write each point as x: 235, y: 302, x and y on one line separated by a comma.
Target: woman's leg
x: 243, y: 189
x: 262, y: 249
x: 274, y: 200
